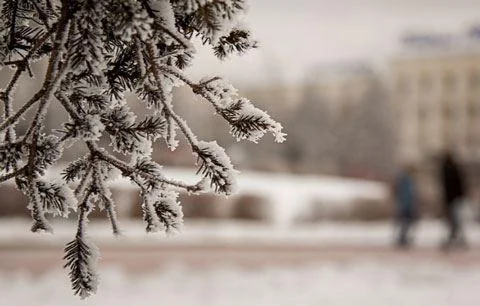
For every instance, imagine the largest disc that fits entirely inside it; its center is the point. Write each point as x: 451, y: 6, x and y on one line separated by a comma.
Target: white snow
x: 399, y: 279
x: 428, y: 234
x: 331, y: 283
x: 289, y: 194
x: 163, y: 11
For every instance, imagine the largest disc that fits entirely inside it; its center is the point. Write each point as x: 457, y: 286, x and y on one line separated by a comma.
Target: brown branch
x: 168, y: 108
x: 83, y: 182
x: 139, y: 54
x: 21, y: 67
x: 171, y: 32
x: 196, y: 87
x: 11, y: 41
x: 109, y: 205
x: 83, y: 213
x: 12, y: 119
x: 53, y: 76
x: 23, y: 64
x: 130, y: 171
x: 11, y: 175
x: 148, y: 207
x: 41, y: 14
x: 126, y: 169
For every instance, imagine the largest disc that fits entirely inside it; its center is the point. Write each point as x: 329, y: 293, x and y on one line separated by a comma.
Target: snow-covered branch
x: 97, y: 51
x: 11, y: 175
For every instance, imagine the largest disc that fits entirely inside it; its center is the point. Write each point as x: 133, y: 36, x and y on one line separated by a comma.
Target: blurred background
x: 364, y: 90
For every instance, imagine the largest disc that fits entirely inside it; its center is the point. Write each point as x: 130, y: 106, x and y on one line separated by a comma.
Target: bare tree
x: 366, y: 136
x: 312, y: 145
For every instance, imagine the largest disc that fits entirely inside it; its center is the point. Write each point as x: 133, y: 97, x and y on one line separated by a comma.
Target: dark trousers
x: 455, y: 235
x: 405, y: 224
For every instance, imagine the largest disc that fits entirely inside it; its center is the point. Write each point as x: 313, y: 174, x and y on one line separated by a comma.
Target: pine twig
x: 187, y: 132
x: 11, y: 175
x: 109, y: 205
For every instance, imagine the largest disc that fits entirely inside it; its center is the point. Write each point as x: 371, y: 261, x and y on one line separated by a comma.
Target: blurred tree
x: 366, y: 136
x: 311, y: 147
x: 97, y: 51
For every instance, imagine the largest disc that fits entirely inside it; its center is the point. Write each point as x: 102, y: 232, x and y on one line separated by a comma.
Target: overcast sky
x: 295, y: 35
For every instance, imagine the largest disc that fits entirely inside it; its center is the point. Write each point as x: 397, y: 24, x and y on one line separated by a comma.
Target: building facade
x: 436, y: 97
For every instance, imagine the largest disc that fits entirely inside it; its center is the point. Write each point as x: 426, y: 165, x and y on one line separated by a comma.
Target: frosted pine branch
x: 81, y: 255
x: 215, y: 165
x: 99, y: 176
x: 97, y: 51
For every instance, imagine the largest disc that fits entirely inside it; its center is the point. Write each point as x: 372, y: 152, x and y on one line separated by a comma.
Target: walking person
x: 405, y: 192
x: 452, y: 182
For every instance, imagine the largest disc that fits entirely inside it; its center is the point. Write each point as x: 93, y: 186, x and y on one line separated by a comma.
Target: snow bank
x: 287, y: 195
x: 290, y: 194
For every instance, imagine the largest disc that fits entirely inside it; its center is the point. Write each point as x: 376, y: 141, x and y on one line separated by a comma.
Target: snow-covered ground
x: 428, y: 233
x: 417, y: 278
x: 352, y: 279
x: 337, y: 284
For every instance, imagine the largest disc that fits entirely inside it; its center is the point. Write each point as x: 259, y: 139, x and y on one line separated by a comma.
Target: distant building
x: 436, y: 95
x: 341, y: 86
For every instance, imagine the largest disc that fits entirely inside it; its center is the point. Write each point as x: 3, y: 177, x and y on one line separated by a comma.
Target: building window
x: 449, y: 81
x: 472, y: 139
x: 402, y: 86
x: 447, y: 117
x: 472, y: 110
x: 474, y: 79
x: 448, y: 113
x: 422, y: 114
x: 426, y: 82
x: 473, y: 116
x: 422, y: 131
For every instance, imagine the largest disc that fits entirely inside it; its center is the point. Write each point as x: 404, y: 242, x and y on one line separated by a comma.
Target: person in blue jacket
x: 405, y: 193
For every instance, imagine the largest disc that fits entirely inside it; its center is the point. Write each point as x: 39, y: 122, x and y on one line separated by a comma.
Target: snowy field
x: 381, y: 277
x: 332, y: 283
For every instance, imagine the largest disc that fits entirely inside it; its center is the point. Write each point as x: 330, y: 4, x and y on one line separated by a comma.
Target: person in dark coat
x: 452, y: 182
x: 405, y: 192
